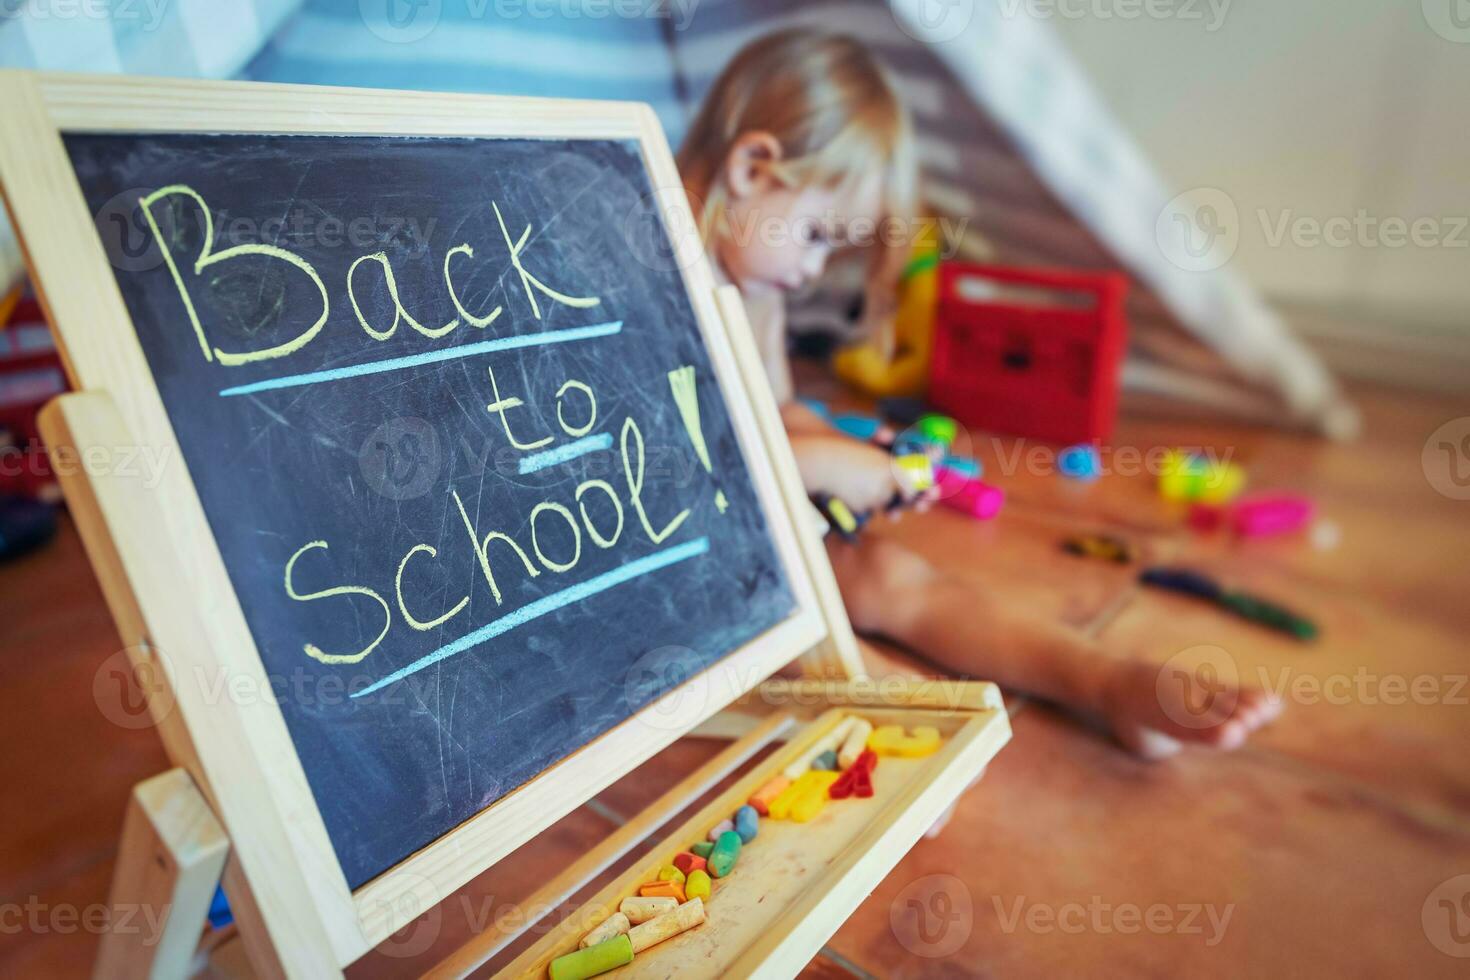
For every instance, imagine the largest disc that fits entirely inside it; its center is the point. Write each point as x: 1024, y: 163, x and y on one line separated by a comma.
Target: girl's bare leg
x: 892, y: 591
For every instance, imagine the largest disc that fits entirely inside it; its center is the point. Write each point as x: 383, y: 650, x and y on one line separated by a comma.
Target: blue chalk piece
x: 826, y: 761
x: 857, y: 426
x: 747, y: 823
x: 965, y: 466
x: 1080, y: 462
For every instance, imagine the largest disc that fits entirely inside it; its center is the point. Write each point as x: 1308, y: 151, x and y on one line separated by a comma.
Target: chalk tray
x: 795, y: 884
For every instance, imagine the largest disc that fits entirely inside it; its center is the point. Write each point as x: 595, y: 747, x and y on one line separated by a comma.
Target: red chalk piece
x: 857, y: 780
x: 687, y: 862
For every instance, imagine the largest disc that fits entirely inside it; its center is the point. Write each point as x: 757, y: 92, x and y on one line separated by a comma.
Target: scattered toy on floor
x: 1189, y: 477
x: 974, y: 498
x: 1081, y: 462
x: 1103, y: 546
x: 1243, y: 604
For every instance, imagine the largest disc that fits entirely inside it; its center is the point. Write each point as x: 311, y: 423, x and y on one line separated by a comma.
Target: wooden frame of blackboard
x: 283, y: 876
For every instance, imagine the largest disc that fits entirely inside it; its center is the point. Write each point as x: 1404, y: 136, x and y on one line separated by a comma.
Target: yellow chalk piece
x: 670, y: 873
x: 642, y: 909
x: 722, y: 503
x: 698, y: 885
x: 891, y: 740
x: 811, y: 803
x: 805, y: 797
x: 667, y: 926
x: 614, y: 925
x: 827, y: 743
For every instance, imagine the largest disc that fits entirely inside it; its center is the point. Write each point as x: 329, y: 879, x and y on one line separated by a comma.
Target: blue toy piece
x: 1080, y: 462
x: 858, y: 426
x: 965, y: 466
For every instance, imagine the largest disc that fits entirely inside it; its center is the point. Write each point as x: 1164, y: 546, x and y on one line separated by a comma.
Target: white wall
x: 1303, y: 109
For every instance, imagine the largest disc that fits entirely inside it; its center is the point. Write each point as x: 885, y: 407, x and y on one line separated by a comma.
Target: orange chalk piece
x: 805, y: 798
x: 663, y: 889
x: 772, y: 789
x: 688, y: 863
x: 891, y: 740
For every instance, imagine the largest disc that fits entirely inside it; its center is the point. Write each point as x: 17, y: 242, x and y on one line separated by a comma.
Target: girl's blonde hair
x: 831, y: 106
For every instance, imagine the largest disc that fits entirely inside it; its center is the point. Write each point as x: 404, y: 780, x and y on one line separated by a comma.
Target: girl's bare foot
x: 1153, y: 712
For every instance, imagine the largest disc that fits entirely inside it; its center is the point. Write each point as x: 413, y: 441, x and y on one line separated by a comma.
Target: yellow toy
x: 890, y: 740
x: 1187, y: 477
x: 871, y: 366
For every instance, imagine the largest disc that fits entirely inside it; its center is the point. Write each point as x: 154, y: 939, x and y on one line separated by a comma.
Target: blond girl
x: 802, y: 141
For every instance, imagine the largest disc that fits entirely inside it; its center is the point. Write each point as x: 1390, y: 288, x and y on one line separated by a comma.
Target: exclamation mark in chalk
x: 686, y: 396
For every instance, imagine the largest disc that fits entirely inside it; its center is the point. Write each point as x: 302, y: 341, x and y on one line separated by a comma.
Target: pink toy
x: 1260, y: 516
x: 959, y: 492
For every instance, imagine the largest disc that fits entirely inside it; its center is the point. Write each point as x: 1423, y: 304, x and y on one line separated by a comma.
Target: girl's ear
x: 749, y: 168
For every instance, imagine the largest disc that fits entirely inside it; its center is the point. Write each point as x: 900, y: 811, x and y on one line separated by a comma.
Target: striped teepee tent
x: 1014, y: 143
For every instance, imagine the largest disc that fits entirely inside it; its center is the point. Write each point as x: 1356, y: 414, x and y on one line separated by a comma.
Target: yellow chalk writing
x: 398, y: 592
x: 314, y: 651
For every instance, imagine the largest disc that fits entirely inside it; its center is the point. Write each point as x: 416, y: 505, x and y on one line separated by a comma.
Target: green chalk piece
x: 1268, y: 614
x: 827, y: 761
x: 940, y: 428
x: 607, y: 955
x: 721, y: 860
x: 702, y: 848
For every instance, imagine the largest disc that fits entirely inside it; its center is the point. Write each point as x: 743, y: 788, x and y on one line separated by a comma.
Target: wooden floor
x: 1330, y: 846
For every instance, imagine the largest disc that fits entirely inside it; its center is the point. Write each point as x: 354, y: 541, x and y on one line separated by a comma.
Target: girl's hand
x: 859, y: 474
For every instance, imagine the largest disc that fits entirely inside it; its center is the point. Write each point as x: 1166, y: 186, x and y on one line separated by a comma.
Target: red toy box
x: 1030, y: 352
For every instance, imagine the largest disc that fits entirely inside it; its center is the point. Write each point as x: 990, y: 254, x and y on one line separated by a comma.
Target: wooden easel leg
x: 168, y: 864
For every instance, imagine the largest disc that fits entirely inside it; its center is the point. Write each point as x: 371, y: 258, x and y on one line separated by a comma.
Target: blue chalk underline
x: 430, y: 357
x: 548, y: 604
x: 591, y: 444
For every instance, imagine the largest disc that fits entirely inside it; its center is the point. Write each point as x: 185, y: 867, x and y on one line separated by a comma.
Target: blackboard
x: 466, y: 542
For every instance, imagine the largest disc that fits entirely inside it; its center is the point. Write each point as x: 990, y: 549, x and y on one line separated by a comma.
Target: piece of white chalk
x: 614, y: 925
x: 639, y: 909
x: 667, y: 926
x: 827, y: 743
